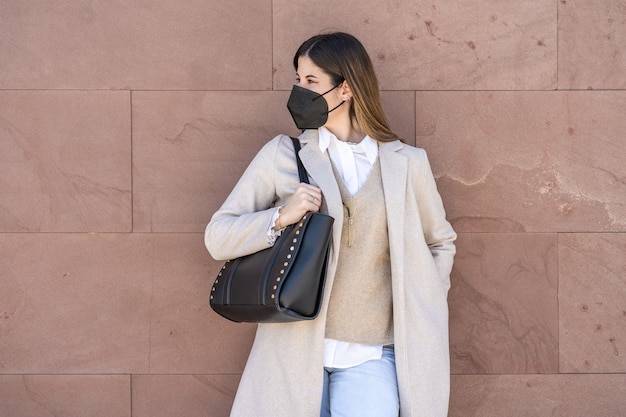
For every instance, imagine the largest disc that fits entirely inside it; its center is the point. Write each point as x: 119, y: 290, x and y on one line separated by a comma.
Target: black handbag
x: 283, y: 283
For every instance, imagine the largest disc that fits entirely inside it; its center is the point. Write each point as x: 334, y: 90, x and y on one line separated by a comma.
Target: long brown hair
x: 343, y: 57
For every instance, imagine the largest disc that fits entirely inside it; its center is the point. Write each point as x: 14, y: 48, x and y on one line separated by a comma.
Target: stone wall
x: 123, y: 126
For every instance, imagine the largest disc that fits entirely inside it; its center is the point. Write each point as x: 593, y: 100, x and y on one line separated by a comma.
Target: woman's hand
x: 306, y: 198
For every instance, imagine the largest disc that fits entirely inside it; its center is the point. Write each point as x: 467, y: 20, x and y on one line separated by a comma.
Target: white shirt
x: 354, y: 163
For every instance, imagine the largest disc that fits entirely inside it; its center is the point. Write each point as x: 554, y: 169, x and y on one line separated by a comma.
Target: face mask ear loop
x: 336, y: 106
x: 323, y: 94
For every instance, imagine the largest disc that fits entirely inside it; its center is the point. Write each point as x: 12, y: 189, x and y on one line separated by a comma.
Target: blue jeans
x: 366, y: 390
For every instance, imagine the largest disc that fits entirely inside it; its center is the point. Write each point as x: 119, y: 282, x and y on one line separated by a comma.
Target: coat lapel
x: 317, y: 165
x: 393, y: 168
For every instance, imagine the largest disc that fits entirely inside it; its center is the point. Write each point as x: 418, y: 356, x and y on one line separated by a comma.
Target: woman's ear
x: 345, y: 91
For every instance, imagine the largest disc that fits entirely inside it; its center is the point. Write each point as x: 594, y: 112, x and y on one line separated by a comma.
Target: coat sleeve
x: 438, y: 231
x: 239, y: 227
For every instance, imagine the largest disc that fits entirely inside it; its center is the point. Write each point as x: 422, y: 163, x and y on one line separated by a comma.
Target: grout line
x: 460, y: 232
x: 414, y: 118
x: 130, y: 375
x: 537, y: 374
x: 251, y: 90
x: 91, y: 232
x: 543, y: 232
x: 557, y: 46
x: 130, y: 389
x: 272, y: 44
x: 542, y: 374
x: 132, y: 168
x: 558, y: 307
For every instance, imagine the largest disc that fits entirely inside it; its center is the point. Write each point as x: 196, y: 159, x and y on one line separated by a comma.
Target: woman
x: 379, y: 346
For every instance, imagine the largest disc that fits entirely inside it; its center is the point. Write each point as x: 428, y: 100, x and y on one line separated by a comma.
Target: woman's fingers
x: 306, y: 198
x: 311, y: 196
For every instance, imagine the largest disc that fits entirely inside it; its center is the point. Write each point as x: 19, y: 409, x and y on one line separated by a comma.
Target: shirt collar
x: 368, y: 145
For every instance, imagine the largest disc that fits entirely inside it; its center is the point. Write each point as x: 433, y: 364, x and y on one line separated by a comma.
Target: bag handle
x: 301, y: 171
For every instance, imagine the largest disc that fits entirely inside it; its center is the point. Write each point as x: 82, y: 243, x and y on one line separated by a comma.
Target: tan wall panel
x: 432, y: 45
x: 592, y: 302
x: 538, y: 395
x: 183, y: 395
x: 527, y: 161
x: 65, y: 395
x: 65, y: 161
x: 592, y: 35
x: 503, y: 304
x: 218, y: 44
x: 399, y: 107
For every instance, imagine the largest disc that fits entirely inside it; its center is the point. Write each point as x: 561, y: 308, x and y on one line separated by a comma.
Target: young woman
x: 379, y: 346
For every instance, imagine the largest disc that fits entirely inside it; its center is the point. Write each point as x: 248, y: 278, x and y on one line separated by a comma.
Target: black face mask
x: 308, y: 109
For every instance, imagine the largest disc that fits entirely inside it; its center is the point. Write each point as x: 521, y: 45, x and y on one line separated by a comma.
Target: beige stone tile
x: 591, y: 42
x: 399, y: 107
x: 537, y: 395
x: 65, y: 395
x: 592, y: 302
x: 65, y: 161
x: 190, y: 148
x: 221, y: 44
x: 183, y: 395
x: 112, y: 303
x: 503, y: 304
x: 432, y: 45
x: 527, y: 161
x: 75, y: 303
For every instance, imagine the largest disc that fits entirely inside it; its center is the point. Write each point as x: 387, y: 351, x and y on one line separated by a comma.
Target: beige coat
x: 283, y: 375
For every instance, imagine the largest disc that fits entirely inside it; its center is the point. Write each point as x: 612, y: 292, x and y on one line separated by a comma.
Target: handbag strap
x: 301, y: 171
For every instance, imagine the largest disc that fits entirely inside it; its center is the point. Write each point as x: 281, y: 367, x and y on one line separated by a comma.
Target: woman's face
x: 313, y: 78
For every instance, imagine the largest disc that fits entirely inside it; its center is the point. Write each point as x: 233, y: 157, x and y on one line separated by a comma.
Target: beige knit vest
x: 360, y: 309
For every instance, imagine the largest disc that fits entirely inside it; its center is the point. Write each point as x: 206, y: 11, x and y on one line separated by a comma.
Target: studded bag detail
x: 280, y: 284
